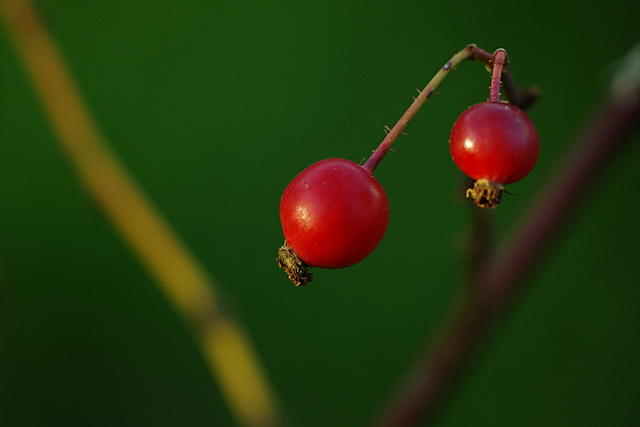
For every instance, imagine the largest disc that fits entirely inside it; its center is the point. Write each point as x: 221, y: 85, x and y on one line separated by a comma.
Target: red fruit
x: 333, y: 214
x: 494, y: 141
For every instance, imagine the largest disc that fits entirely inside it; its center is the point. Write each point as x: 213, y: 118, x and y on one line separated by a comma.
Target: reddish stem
x: 499, y: 64
x: 471, y: 53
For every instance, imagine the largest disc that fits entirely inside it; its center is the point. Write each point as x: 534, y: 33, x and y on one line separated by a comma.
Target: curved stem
x: 499, y: 64
x: 471, y: 53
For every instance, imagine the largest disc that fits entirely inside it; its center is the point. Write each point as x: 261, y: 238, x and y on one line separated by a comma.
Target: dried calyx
x: 292, y: 265
x: 486, y: 194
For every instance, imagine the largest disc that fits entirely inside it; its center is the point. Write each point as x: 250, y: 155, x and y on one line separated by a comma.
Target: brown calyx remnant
x: 293, y: 266
x: 486, y: 194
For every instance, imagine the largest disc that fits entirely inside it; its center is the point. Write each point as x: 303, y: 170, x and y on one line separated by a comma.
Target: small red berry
x: 333, y: 214
x: 494, y: 143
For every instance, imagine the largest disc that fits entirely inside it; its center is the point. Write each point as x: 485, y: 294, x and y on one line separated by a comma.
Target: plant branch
x: 224, y: 343
x: 447, y: 358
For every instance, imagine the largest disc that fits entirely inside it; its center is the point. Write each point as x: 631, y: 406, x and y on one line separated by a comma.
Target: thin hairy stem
x: 469, y: 53
x: 499, y: 64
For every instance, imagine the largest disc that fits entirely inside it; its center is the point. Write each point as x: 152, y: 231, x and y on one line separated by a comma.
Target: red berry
x: 334, y: 213
x: 494, y: 141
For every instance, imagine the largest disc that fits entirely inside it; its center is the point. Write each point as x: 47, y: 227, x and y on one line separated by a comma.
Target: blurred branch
x: 503, y: 277
x: 184, y: 282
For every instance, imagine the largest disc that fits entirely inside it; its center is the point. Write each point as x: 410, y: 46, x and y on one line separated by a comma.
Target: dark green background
x: 214, y: 107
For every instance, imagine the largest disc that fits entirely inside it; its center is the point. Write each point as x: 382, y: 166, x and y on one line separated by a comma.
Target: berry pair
x: 334, y: 213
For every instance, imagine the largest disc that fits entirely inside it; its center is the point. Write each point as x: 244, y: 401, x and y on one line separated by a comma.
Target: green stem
x: 470, y: 53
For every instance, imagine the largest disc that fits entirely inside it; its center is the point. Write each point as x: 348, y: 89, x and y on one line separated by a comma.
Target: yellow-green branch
x: 182, y: 279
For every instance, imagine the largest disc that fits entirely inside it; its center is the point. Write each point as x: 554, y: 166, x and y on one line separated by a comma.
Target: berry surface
x: 334, y: 213
x: 495, y: 141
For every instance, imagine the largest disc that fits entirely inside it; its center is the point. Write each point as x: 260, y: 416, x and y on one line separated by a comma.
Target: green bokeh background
x: 214, y: 107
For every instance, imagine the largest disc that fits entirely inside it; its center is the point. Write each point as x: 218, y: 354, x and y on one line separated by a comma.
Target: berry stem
x: 500, y: 62
x: 470, y: 53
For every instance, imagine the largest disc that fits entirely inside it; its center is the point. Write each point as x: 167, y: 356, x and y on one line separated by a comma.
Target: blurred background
x: 214, y: 107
